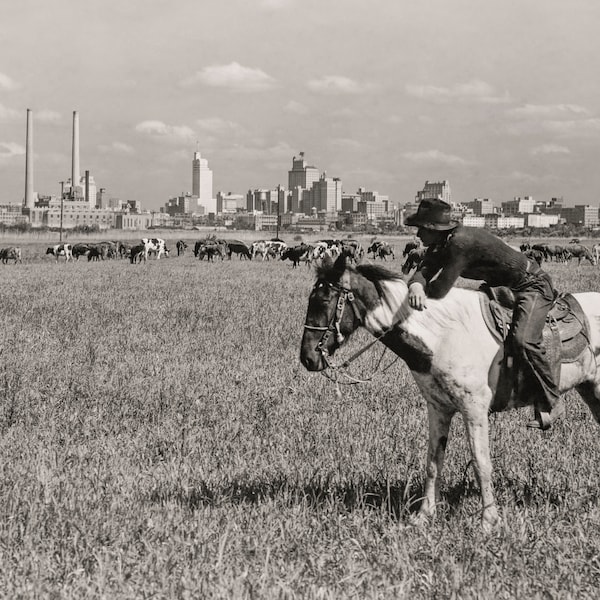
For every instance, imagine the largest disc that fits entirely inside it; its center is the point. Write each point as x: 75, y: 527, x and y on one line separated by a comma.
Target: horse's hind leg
x: 590, y: 392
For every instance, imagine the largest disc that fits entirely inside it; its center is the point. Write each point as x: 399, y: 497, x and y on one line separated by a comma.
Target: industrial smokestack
x: 75, y: 176
x: 29, y: 161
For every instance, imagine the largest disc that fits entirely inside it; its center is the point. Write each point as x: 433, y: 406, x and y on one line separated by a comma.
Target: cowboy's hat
x: 433, y: 213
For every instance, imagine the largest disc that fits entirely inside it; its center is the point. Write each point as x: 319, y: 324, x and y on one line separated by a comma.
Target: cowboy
x: 453, y: 251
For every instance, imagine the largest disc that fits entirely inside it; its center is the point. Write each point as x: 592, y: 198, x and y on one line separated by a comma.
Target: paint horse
x: 452, y: 354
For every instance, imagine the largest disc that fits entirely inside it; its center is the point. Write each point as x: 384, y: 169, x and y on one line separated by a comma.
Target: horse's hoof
x: 490, y: 521
x: 419, y: 519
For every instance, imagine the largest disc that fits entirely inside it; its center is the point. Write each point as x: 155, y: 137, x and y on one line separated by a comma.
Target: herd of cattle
x: 213, y: 248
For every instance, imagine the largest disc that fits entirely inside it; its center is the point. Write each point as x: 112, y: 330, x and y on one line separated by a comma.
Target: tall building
x: 435, y: 189
x: 302, y: 175
x: 202, y: 183
x: 325, y: 195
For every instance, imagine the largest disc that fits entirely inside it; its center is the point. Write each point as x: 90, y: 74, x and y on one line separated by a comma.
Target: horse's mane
x: 374, y: 273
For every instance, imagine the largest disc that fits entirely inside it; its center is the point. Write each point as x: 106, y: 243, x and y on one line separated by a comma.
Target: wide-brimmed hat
x: 433, y: 213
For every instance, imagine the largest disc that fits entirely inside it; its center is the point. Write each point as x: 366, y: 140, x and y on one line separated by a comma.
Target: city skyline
x: 502, y: 101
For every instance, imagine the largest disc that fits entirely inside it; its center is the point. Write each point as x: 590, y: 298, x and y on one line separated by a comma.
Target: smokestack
x: 75, y: 176
x: 29, y: 161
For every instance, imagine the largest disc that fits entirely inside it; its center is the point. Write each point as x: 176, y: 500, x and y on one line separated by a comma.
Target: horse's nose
x: 312, y: 361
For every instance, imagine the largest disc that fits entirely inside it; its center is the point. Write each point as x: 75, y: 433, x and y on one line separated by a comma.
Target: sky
x: 499, y: 97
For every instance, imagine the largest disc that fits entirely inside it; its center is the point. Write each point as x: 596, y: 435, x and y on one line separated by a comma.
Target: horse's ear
x: 340, y: 264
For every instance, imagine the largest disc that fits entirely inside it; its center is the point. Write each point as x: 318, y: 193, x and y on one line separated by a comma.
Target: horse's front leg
x: 477, y: 428
x: 439, y: 426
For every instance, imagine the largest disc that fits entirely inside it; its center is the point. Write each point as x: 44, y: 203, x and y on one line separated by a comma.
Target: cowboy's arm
x: 446, y: 277
x: 428, y: 267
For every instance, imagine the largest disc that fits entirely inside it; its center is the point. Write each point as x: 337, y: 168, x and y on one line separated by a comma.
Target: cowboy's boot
x: 544, y: 420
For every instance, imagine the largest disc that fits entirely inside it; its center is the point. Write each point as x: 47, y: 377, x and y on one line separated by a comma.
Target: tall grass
x: 159, y: 437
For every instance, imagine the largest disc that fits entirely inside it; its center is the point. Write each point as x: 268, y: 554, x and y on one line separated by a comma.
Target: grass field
x: 160, y: 438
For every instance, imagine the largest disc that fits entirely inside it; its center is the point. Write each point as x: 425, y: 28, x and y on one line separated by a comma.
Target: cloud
x: 435, y: 156
x: 9, y: 150
x: 233, y: 76
x: 158, y: 129
x: 547, y: 111
x: 7, y: 84
x: 471, y: 91
x: 335, y: 84
x: 9, y: 114
x: 550, y: 149
x: 573, y: 128
x: 116, y: 148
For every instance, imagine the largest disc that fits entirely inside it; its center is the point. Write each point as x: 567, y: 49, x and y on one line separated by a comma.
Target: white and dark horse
x: 449, y: 350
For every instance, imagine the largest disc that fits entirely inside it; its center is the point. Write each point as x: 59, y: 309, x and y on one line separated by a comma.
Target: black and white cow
x: 61, y: 250
x: 155, y: 245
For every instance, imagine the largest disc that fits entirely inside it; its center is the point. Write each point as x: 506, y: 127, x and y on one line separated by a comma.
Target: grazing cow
x: 10, y: 253
x: 124, y: 250
x: 411, y: 246
x: 239, y: 248
x: 96, y: 252
x: 61, y: 250
x: 580, y: 252
x: 79, y: 250
x: 260, y: 248
x: 137, y: 254
x: 155, y: 245
x: 212, y: 249
x: 358, y: 249
x: 536, y: 255
x: 181, y: 246
x: 296, y: 254
x: 381, y: 249
x: 414, y: 258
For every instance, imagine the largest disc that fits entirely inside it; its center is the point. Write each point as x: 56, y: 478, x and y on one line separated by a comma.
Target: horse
x: 450, y: 351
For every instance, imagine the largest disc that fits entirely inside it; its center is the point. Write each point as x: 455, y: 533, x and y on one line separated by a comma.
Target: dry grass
x: 159, y: 437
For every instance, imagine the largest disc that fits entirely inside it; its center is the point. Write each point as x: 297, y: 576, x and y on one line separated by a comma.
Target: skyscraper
x: 302, y: 175
x: 202, y: 183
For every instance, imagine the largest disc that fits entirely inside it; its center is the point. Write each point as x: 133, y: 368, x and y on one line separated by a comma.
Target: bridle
x: 345, y: 296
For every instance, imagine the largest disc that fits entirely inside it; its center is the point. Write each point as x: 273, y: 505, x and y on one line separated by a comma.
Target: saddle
x: 566, y: 334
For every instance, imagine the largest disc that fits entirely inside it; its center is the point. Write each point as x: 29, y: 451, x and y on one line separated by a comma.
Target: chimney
x: 75, y: 176
x: 29, y: 161
x: 87, y: 187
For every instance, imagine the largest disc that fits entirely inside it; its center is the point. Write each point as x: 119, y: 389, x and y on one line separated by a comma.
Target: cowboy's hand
x: 416, y: 296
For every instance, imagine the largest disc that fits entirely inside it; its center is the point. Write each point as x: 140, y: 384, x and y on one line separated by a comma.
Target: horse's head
x: 332, y: 315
